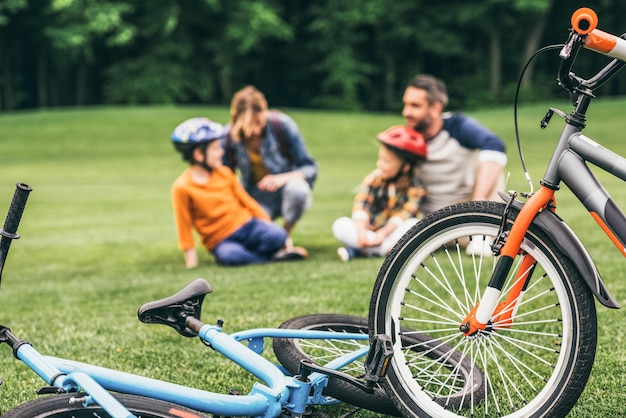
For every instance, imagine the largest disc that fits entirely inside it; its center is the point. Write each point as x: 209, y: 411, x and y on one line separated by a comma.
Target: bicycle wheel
x: 290, y: 351
x: 535, y: 366
x: 59, y: 406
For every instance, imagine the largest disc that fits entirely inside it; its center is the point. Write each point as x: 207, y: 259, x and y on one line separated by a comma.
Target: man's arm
x: 492, y: 152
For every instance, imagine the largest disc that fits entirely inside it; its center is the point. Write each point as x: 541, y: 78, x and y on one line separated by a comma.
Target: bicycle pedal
x: 377, y: 362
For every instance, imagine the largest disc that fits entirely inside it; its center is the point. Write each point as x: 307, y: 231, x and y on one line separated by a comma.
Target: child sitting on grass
x: 388, y: 200
x: 208, y: 197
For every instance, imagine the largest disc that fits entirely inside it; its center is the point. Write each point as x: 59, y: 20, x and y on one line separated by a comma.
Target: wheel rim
x: 519, y: 363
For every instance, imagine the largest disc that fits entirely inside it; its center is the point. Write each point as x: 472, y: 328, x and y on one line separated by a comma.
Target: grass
x: 98, y: 240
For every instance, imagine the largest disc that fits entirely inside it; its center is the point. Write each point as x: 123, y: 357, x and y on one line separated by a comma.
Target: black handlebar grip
x: 9, y: 231
x: 15, y: 211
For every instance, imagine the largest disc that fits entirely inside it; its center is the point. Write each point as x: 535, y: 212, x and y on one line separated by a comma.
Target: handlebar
x: 585, y: 34
x: 9, y: 231
x: 585, y: 23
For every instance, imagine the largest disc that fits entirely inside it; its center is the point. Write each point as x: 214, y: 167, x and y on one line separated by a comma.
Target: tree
x: 9, y: 51
x: 74, y: 28
x: 246, y: 26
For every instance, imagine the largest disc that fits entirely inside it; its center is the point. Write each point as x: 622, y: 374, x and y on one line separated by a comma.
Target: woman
x: 271, y: 156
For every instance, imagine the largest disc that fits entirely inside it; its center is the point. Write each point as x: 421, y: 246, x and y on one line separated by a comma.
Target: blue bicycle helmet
x: 193, y: 133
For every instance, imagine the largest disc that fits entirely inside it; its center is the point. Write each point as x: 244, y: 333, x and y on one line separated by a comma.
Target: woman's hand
x: 273, y: 182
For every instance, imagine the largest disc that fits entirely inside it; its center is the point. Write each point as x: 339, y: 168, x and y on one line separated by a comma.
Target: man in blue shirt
x: 465, y: 160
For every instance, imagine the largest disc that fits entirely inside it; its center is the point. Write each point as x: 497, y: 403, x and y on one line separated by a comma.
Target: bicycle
x: 525, y: 313
x: 327, y: 357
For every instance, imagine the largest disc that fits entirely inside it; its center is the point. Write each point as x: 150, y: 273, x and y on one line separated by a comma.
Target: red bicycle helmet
x: 407, y: 141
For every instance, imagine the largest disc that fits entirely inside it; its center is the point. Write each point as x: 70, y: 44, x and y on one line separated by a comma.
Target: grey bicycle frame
x: 568, y: 166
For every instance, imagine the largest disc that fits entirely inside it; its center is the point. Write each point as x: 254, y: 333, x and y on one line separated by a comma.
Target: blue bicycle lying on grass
x: 325, y: 358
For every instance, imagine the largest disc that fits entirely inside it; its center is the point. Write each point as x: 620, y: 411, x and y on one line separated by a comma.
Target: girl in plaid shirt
x: 388, y: 200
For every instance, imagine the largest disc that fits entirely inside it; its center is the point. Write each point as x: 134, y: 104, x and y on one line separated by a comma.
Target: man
x: 465, y: 160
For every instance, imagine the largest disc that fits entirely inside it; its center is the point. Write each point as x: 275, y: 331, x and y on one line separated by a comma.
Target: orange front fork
x: 502, y: 312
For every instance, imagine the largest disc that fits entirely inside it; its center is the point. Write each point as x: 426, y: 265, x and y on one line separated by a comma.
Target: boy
x: 208, y: 197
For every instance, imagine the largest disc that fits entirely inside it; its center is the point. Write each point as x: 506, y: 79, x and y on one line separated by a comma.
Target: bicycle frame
x: 264, y: 400
x: 567, y: 165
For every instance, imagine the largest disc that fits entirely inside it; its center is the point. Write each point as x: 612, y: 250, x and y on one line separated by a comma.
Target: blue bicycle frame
x: 264, y: 400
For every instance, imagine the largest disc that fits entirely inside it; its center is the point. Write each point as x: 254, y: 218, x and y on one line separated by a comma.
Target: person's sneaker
x: 291, y: 254
x: 346, y: 253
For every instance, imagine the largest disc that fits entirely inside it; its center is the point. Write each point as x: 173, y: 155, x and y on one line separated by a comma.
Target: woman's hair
x: 246, y: 106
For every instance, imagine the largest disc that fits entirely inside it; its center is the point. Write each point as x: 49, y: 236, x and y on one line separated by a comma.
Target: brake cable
x: 517, y: 90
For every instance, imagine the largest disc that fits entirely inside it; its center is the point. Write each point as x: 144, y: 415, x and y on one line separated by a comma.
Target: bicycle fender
x: 573, y: 248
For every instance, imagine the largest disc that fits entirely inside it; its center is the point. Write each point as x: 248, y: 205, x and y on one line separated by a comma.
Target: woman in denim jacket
x: 268, y: 150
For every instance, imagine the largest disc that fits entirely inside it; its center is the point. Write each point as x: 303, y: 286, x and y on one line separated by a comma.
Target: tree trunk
x: 389, y: 97
x: 532, y: 44
x: 81, y: 82
x: 7, y: 91
x: 3, y: 60
x: 495, y: 64
x: 42, y: 73
x: 226, y: 83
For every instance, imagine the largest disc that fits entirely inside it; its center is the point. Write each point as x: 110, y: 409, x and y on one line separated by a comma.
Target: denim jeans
x: 255, y: 242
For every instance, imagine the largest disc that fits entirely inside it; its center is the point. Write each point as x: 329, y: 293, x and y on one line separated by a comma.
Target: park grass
x: 98, y: 240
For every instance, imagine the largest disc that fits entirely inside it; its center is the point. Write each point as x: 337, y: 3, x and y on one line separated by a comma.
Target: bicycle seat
x: 174, y: 310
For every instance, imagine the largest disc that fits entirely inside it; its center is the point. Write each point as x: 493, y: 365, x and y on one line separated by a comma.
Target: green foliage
x: 76, y: 24
x: 10, y: 6
x: 340, y: 54
x: 160, y: 77
x: 250, y: 22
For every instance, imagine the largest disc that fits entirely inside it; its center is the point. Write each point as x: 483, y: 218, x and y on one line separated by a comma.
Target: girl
x: 388, y: 200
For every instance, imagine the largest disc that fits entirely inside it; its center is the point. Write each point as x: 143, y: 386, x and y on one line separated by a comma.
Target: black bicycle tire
x: 411, y: 251
x: 59, y: 406
x: 289, y: 352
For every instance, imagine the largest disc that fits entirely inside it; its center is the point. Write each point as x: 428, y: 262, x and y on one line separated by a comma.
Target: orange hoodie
x: 215, y: 209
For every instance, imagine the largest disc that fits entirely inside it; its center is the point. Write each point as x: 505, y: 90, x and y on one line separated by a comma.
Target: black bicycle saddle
x: 173, y: 310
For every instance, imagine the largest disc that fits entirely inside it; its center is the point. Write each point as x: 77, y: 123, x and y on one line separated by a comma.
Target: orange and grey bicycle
x: 525, y: 314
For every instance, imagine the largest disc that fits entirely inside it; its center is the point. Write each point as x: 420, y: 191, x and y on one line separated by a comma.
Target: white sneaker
x: 344, y: 254
x: 479, y: 246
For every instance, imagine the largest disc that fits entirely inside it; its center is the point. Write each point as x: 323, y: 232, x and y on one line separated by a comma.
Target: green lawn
x: 98, y: 240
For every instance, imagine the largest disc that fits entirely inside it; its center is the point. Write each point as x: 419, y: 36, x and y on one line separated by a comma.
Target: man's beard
x: 423, y: 125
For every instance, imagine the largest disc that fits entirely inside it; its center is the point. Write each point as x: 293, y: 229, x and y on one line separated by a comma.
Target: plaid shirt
x: 383, y: 200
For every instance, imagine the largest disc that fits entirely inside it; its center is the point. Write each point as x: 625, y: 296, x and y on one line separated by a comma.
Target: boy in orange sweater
x: 209, y: 198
